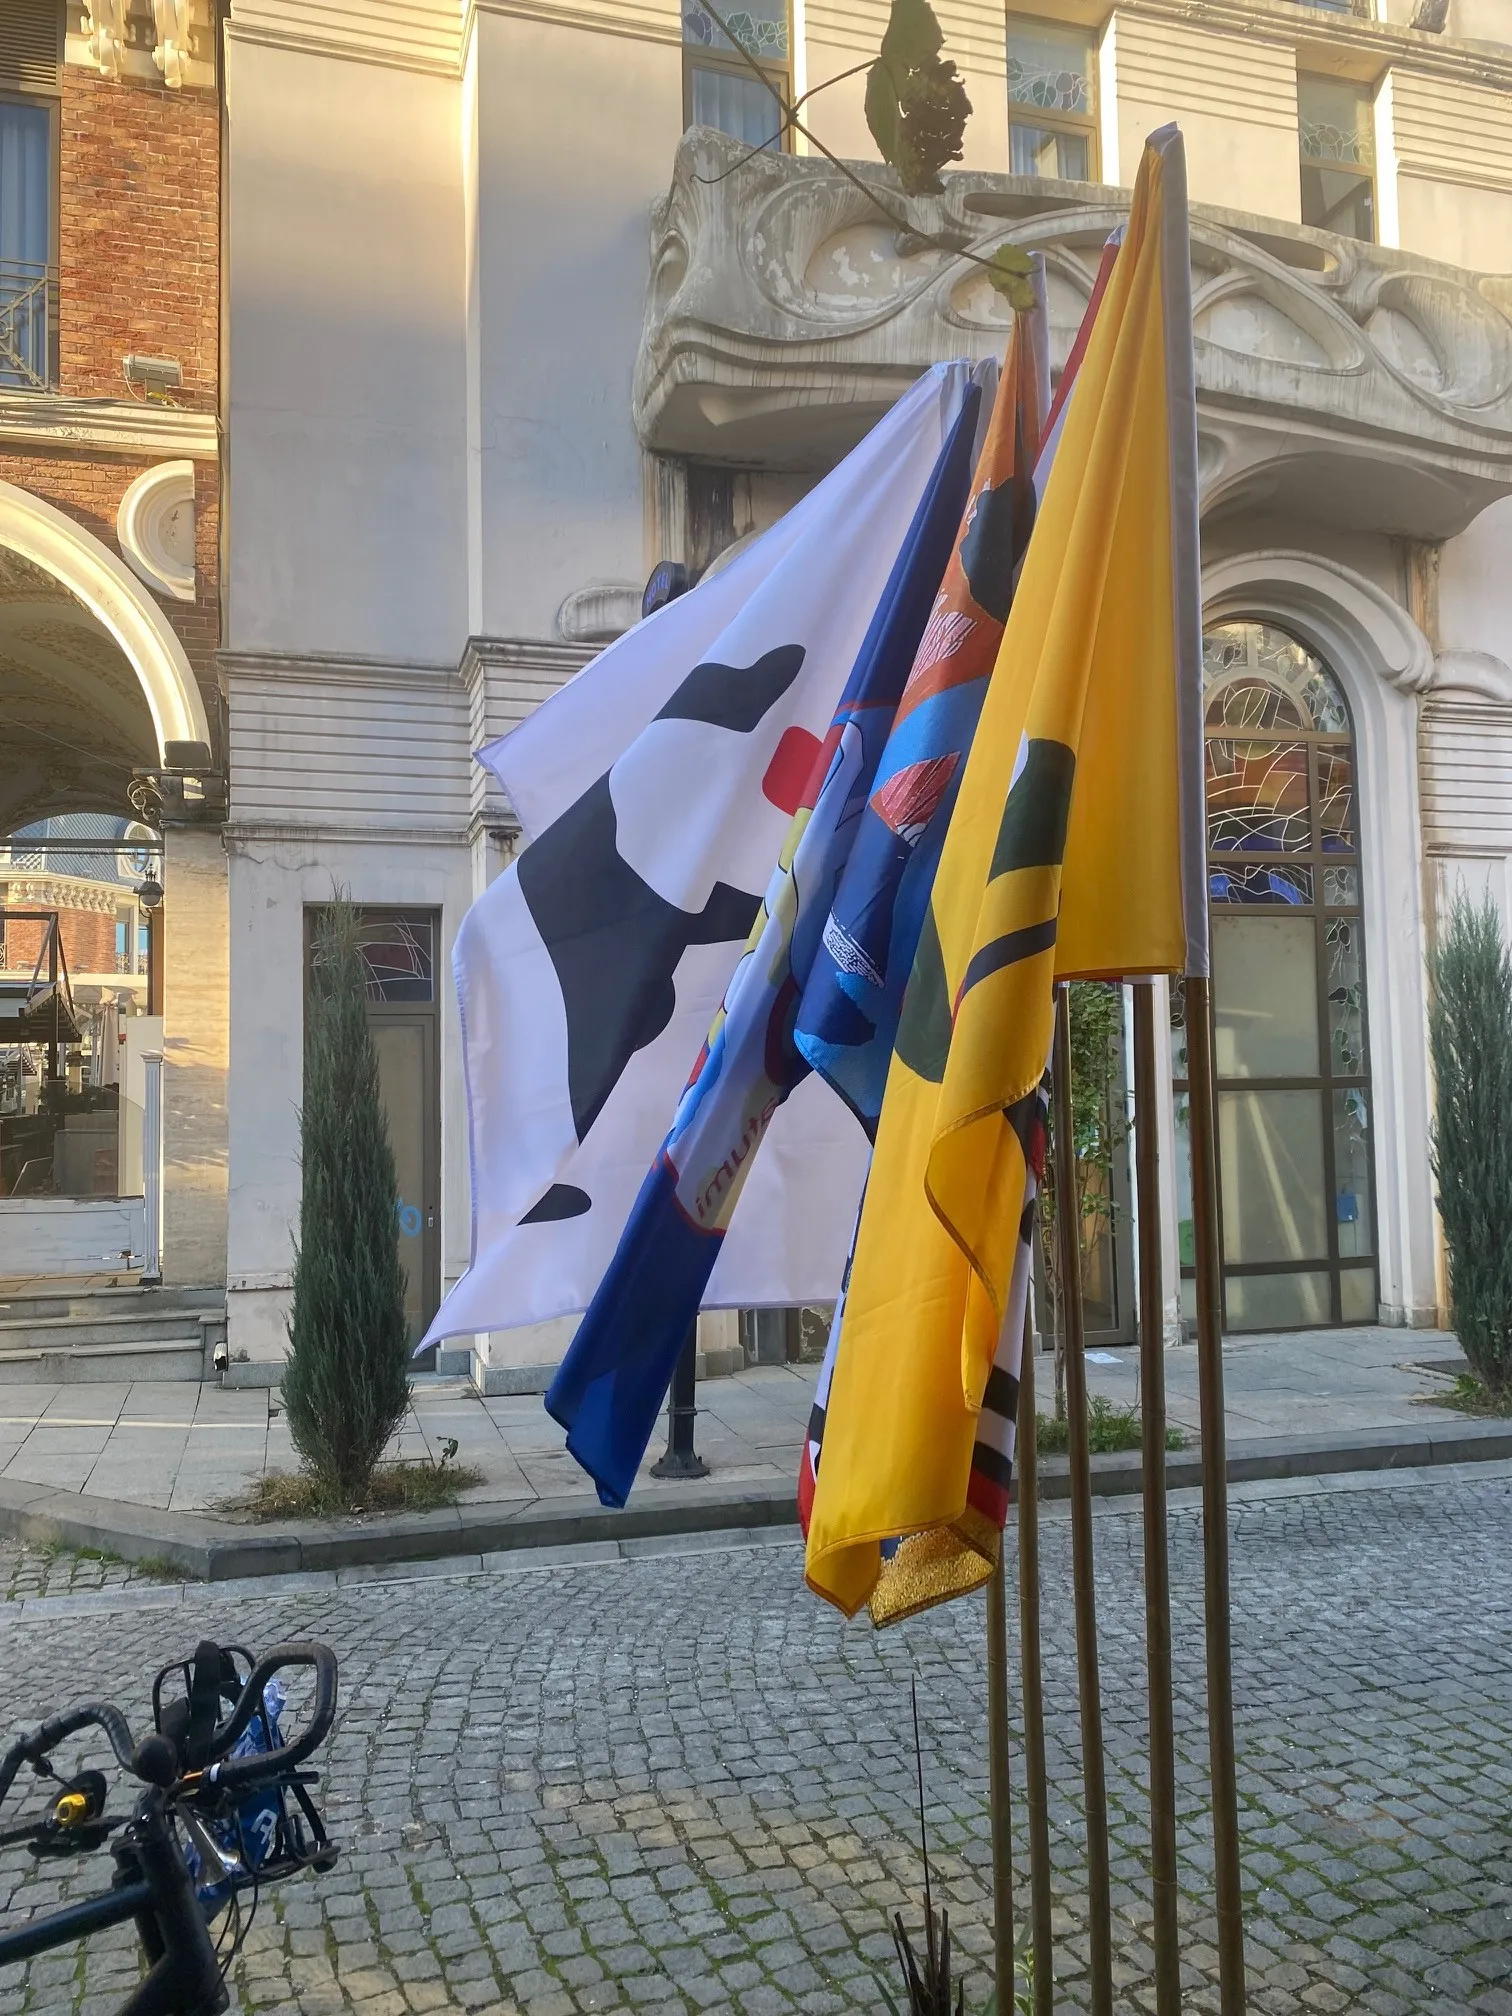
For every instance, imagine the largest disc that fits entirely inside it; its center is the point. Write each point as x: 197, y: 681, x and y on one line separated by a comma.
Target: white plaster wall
x: 1455, y: 222
x: 347, y: 500
x: 1475, y: 586
x: 1481, y: 20
x: 271, y: 881
x: 573, y: 142
x: 1234, y: 98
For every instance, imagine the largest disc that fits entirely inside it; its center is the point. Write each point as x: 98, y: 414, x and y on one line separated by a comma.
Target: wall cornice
x: 1375, y: 44
x: 111, y: 426
x: 335, y: 669
x: 360, y: 46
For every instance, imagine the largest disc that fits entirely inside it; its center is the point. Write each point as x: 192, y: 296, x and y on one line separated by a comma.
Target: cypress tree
x: 1470, y: 1034
x: 346, y: 1383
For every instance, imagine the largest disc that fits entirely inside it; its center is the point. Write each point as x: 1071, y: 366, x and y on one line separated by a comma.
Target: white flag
x: 661, y: 782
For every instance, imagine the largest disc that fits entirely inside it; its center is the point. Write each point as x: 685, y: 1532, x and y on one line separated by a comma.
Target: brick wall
x: 139, y: 270
x: 89, y: 943
x: 139, y: 233
x: 90, y: 488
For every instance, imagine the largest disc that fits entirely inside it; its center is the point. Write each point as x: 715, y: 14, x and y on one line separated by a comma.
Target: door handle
x: 430, y: 1218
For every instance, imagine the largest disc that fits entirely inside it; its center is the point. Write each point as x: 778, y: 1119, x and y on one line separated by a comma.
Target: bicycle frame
x: 184, y: 1978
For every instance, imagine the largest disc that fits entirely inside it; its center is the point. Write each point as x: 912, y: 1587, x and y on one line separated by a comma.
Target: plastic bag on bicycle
x: 251, y: 1834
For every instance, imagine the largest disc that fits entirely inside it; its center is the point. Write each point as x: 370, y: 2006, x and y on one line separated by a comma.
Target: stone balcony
x: 1336, y: 380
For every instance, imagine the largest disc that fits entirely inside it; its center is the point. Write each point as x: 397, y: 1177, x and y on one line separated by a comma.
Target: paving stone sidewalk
x: 184, y: 1447
x: 677, y: 1783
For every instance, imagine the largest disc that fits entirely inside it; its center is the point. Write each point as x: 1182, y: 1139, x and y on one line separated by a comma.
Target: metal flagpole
x: 1036, y: 1792
x: 1084, y: 1595
x: 1156, y: 1562
x: 999, y: 1787
x: 1220, y: 1678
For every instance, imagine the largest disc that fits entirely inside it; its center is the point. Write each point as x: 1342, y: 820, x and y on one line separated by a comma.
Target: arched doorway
x: 1296, y: 1192
x: 80, y: 946
x: 100, y: 705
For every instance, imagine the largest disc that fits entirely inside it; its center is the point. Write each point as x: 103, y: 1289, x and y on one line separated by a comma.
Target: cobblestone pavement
x: 678, y: 1783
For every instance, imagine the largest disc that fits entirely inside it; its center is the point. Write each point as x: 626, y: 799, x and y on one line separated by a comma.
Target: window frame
x: 1324, y: 911
x: 731, y: 63
x: 50, y: 103
x: 1086, y: 126
x: 1363, y: 172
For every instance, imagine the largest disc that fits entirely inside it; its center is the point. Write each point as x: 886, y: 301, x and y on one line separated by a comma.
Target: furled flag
x: 661, y: 781
x: 848, y: 1019
x: 610, y: 1387
x: 1075, y: 850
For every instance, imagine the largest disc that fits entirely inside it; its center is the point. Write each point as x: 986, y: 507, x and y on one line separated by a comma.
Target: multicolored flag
x: 1075, y: 851
x: 656, y: 788
x: 848, y: 1019
x: 611, y: 1385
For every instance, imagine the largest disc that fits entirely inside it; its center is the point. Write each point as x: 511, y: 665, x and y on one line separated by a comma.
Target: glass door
x: 1296, y: 1203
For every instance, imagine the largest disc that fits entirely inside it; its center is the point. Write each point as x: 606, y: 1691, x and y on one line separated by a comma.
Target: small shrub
x: 1470, y: 1034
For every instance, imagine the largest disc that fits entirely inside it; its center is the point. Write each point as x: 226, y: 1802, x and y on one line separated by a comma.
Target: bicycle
x: 213, y: 1821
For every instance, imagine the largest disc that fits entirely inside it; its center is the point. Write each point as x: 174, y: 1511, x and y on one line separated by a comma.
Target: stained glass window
x: 1288, y: 988
x: 1051, y: 101
x: 759, y: 26
x: 1336, y: 139
x: 719, y: 87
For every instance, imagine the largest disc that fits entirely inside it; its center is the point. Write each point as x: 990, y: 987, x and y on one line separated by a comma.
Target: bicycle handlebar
x: 222, y: 1771
x: 234, y: 1771
x: 90, y: 1714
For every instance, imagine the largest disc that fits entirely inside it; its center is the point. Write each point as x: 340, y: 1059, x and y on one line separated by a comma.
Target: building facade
x: 510, y: 322
x: 110, y: 718
x: 513, y: 313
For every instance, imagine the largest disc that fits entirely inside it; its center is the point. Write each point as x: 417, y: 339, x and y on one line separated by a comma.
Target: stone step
x: 109, y: 1334
x: 47, y: 1305
x: 183, y: 1327
x: 100, y: 1364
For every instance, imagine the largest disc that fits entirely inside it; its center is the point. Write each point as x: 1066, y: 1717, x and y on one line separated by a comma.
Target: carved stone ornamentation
x: 785, y: 313
x: 599, y: 613
x: 105, y: 35
x: 155, y: 525
x: 173, y: 53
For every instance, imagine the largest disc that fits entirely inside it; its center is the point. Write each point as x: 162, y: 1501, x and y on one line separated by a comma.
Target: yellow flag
x: 1075, y: 850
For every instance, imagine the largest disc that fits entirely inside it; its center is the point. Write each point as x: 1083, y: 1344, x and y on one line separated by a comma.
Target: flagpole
x: 1220, y: 1673
x: 1156, y: 1561
x: 1036, y: 1793
x: 1084, y: 1593
x: 999, y: 1787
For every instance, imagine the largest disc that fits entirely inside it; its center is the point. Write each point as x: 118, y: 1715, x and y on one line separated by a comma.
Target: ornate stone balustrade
x: 1339, y: 380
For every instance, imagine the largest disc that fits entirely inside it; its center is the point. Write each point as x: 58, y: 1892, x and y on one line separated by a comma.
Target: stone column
x: 196, y: 1054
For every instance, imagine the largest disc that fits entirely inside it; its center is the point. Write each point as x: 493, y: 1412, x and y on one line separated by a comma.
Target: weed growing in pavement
x: 1467, y: 1395
x: 395, y: 1487
x: 158, y: 1568
x: 1111, y: 1429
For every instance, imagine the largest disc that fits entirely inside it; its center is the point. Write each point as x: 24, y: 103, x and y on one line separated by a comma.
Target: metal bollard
x: 152, y: 1170
x: 681, y: 1459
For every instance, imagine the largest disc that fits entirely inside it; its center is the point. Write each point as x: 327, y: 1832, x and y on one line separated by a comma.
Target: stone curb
x: 215, y: 1550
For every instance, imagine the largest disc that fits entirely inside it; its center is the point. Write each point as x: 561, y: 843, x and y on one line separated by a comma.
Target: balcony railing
x: 28, y: 325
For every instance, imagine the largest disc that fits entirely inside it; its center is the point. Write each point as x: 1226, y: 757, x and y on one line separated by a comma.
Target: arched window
x: 1296, y: 1201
